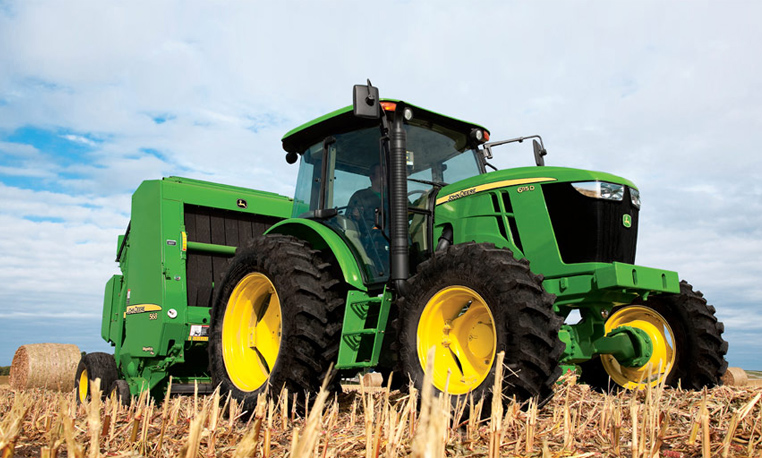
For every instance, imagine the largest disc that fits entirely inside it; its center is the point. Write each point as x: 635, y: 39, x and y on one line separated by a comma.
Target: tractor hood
x: 524, y: 176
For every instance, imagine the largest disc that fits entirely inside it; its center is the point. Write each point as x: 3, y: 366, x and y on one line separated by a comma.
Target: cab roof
x: 343, y: 120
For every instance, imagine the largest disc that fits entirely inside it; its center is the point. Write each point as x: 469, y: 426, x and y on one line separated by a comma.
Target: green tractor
x: 400, y: 240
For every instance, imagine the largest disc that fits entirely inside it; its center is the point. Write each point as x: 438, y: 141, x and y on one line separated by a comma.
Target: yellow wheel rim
x: 82, y: 386
x: 458, y: 323
x: 251, y: 330
x: 662, y: 360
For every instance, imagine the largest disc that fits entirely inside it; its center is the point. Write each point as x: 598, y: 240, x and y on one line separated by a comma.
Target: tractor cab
x: 345, y: 180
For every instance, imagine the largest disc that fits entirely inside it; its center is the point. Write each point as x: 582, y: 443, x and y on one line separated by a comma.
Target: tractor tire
x: 685, y: 334
x: 472, y: 301
x: 276, y: 320
x: 94, y: 366
x: 120, y: 389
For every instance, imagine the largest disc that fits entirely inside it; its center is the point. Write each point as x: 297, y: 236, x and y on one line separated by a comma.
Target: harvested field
x: 723, y: 421
x: 755, y: 378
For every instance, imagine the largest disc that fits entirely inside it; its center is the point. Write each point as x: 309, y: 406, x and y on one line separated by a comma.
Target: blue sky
x: 96, y: 96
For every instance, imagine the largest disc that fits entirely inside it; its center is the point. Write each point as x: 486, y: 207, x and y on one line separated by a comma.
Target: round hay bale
x: 46, y: 365
x: 735, y: 376
x: 372, y: 380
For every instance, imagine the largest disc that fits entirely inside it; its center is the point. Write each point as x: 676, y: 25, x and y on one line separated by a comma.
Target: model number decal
x: 525, y: 188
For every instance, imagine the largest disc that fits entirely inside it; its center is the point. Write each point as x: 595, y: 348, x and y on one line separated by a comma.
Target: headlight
x: 635, y: 198
x: 600, y: 190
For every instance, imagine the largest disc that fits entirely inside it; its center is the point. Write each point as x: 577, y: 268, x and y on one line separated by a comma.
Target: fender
x: 322, y: 238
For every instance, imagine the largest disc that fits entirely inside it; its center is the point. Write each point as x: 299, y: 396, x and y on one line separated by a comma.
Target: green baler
x: 439, y: 257
x: 156, y: 313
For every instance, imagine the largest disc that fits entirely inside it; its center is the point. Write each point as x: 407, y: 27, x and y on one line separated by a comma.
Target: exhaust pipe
x: 400, y: 266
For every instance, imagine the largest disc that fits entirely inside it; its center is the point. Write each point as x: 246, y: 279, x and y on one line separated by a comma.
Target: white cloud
x: 18, y: 149
x: 26, y: 171
x: 79, y: 139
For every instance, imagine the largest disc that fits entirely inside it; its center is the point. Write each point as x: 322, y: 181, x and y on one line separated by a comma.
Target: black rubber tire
x: 389, y: 364
x: 525, y: 325
x: 311, y: 294
x: 121, y: 390
x: 699, y: 347
x: 99, y: 366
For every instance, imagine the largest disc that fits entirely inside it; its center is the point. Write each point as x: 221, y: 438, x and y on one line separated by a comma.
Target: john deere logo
x: 627, y: 221
x: 241, y: 203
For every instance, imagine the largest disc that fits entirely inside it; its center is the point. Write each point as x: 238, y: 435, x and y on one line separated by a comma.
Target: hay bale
x: 372, y: 380
x: 735, y: 376
x: 46, y: 365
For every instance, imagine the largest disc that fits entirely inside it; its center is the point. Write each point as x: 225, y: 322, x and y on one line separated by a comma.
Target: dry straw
x: 579, y: 422
x: 46, y: 365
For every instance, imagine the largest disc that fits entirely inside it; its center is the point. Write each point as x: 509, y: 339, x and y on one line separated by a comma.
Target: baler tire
x: 94, y: 366
x: 699, y: 347
x: 503, y: 290
x: 120, y: 389
x: 310, y: 293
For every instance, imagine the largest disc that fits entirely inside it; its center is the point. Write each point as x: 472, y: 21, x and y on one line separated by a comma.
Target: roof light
x: 388, y: 106
x: 479, y: 135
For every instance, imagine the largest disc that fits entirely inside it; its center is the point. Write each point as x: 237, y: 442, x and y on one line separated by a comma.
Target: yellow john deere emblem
x: 627, y: 220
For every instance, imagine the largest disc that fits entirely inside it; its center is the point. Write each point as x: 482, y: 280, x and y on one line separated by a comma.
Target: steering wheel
x: 417, y: 191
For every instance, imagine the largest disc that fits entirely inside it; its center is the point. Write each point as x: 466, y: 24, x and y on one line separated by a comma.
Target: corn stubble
x: 376, y: 423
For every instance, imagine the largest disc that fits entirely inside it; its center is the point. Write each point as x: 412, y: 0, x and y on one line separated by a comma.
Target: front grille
x: 589, y: 229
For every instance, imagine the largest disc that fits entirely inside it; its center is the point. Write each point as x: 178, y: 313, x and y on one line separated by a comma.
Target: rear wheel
x: 688, y: 348
x: 471, y: 302
x: 94, y: 366
x: 276, y: 320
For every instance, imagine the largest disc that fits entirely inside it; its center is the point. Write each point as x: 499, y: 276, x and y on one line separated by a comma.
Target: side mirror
x: 365, y: 101
x: 539, y: 153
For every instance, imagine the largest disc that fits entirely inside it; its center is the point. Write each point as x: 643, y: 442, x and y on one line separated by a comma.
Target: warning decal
x: 199, y: 333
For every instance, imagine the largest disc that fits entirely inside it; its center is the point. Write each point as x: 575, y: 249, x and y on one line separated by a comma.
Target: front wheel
x: 470, y: 302
x: 688, y: 348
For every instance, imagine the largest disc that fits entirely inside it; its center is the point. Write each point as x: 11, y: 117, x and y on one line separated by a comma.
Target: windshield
x: 434, y: 155
x: 430, y: 146
x: 346, y: 172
